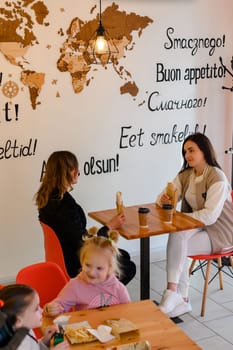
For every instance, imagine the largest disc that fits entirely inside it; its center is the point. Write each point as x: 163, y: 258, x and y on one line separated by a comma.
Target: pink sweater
x: 84, y: 295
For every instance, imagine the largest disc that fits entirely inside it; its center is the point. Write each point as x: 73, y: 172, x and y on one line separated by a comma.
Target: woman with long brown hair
x: 205, y: 195
x: 59, y: 210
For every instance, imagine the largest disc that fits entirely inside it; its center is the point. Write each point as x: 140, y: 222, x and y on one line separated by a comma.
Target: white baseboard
x: 7, y: 280
x: 156, y: 254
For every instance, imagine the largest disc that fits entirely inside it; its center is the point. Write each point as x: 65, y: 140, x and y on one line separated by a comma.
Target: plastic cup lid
x: 143, y: 210
x: 167, y: 206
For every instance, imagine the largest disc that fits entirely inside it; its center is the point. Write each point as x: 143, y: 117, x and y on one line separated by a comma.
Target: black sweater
x: 68, y: 220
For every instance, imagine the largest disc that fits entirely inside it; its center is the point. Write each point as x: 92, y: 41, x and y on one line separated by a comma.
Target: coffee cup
x: 143, y: 217
x: 168, y: 210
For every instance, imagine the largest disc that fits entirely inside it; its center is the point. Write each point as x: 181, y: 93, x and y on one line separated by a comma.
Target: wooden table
x: 156, y: 226
x: 153, y: 325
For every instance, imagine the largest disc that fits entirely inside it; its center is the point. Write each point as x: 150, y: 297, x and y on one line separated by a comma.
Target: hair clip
x: 109, y: 239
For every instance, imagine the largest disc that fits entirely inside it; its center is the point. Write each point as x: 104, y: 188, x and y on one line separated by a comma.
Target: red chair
x: 208, y: 260
x: 53, y: 249
x: 47, y: 278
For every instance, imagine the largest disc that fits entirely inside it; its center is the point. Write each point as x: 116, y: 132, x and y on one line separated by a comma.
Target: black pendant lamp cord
x: 100, y: 13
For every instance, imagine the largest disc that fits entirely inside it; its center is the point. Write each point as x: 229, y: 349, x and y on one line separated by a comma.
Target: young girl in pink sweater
x: 96, y: 285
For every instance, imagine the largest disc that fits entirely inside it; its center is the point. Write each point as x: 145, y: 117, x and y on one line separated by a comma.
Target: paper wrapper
x: 102, y: 333
x: 172, y: 193
x: 119, y: 202
x: 122, y: 327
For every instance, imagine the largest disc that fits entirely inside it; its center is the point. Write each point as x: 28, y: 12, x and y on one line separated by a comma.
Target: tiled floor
x: 214, y: 331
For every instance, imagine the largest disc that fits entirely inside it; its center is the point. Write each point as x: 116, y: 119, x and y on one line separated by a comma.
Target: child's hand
x: 48, y: 333
x: 61, y: 346
x: 53, y: 309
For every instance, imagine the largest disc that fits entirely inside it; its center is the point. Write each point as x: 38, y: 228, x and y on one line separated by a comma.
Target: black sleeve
x: 67, y: 218
x: 73, y: 223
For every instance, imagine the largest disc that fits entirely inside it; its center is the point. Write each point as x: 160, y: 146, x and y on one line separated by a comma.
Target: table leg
x: 145, y: 267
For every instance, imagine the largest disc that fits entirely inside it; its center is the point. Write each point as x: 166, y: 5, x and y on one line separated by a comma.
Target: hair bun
x: 92, y: 231
x: 113, y: 235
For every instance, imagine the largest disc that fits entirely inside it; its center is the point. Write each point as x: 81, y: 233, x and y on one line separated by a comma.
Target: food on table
x: 79, y: 334
x: 119, y: 202
x: 172, y: 193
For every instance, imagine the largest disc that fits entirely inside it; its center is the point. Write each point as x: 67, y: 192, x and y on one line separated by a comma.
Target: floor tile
x: 213, y: 308
x: 214, y: 343
x: 222, y: 327
x: 194, y: 329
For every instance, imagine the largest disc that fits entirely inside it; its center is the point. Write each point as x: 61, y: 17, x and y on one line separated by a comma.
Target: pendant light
x: 101, y: 48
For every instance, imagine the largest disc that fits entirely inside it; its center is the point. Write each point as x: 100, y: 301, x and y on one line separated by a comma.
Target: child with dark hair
x: 20, y: 305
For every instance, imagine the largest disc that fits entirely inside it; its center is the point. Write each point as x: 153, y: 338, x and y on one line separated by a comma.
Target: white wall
x: 90, y: 123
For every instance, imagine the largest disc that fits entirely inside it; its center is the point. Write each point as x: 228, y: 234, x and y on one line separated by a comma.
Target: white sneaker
x: 169, y: 301
x: 180, y: 309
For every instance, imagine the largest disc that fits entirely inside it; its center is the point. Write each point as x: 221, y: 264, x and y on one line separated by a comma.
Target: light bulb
x: 101, y: 45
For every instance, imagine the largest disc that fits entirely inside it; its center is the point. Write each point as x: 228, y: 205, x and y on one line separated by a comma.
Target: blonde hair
x: 107, y: 244
x: 57, y: 176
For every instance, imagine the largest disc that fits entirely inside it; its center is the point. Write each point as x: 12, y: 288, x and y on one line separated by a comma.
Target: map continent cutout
x: 18, y: 23
x: 76, y: 59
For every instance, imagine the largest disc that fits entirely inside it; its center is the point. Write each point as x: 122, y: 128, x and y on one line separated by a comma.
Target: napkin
x: 102, y: 333
x: 62, y: 320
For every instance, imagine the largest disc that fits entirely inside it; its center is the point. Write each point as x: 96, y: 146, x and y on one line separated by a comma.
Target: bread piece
x: 172, y: 193
x: 119, y: 202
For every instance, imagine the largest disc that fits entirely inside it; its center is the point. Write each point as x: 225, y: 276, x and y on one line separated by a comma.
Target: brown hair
x: 16, y: 298
x: 57, y: 176
x: 107, y: 244
x: 205, y: 146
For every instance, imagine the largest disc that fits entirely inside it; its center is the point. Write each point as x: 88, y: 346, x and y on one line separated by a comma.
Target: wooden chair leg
x: 207, y: 276
x: 192, y: 266
x: 231, y: 260
x: 220, y: 273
